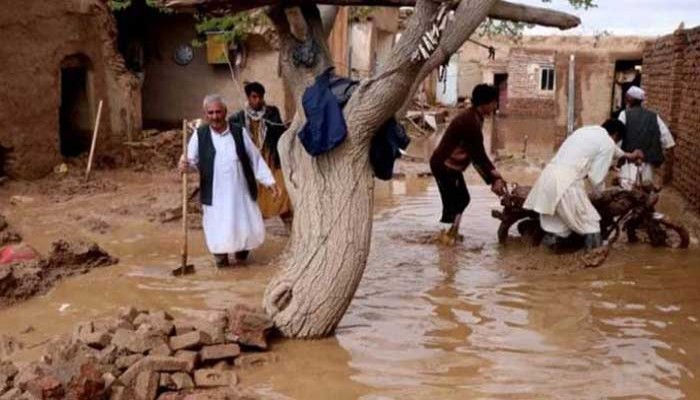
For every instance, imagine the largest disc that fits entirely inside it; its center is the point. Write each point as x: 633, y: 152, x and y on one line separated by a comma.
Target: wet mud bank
x: 22, y: 280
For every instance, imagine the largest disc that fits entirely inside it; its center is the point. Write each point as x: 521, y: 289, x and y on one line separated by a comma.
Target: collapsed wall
x: 59, y: 61
x: 672, y: 84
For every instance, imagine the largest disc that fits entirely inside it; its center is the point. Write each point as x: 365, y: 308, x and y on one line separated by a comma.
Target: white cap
x: 636, y: 92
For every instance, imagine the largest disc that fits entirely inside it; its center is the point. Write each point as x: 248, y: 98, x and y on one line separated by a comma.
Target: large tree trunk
x: 332, y: 193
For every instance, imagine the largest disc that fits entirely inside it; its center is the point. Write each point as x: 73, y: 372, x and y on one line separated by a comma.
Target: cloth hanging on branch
x: 431, y: 38
x: 325, y: 127
x: 491, y: 49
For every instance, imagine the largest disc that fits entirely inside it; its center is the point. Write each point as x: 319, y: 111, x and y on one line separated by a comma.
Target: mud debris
x: 134, y: 356
x: 156, y: 151
x: 68, y: 187
x: 20, y: 281
x: 7, y: 233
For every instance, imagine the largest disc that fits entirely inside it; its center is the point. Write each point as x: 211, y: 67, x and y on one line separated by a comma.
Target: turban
x: 636, y: 92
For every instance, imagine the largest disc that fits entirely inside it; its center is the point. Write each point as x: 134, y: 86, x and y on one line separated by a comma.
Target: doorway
x: 76, y: 105
x: 3, y: 161
x: 627, y: 73
x: 501, y: 82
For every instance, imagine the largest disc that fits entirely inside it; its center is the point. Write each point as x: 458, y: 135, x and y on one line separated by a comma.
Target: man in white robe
x: 231, y: 218
x: 559, y: 195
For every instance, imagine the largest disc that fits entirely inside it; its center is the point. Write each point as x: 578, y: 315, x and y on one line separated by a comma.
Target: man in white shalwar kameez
x: 559, y: 195
x: 231, y: 218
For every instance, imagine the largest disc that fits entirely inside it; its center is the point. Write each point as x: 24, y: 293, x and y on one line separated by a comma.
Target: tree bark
x: 332, y: 193
x: 503, y: 10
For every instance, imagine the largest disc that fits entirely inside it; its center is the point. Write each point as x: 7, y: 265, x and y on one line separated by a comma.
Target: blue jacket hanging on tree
x: 384, y: 149
x: 325, y: 127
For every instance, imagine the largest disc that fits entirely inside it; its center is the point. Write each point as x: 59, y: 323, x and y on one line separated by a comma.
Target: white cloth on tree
x: 629, y: 171
x: 559, y: 195
x: 233, y: 221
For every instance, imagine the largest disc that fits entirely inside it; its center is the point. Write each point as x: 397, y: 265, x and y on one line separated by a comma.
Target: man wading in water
x: 229, y: 165
x: 461, y: 145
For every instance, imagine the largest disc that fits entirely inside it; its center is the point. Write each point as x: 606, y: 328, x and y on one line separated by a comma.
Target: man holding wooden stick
x: 229, y: 165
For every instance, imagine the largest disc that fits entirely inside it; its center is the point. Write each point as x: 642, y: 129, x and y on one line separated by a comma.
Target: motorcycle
x: 632, y: 211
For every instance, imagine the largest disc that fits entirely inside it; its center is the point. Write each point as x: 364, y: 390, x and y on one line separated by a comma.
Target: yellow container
x: 217, y: 47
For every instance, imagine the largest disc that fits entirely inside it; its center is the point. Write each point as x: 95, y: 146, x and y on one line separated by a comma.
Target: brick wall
x: 672, y: 81
x: 525, y: 97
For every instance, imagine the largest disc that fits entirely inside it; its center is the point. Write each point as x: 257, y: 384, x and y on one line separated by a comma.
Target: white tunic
x: 559, y: 195
x: 629, y: 171
x: 233, y: 221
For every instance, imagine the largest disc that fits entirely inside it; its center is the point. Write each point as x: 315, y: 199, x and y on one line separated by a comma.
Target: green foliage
x: 231, y: 28
x: 584, y: 4
x: 119, y: 5
x: 360, y: 13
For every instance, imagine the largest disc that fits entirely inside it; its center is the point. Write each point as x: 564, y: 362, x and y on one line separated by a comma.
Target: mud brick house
x: 59, y: 60
x: 177, y: 74
x: 672, y: 82
x: 532, y: 75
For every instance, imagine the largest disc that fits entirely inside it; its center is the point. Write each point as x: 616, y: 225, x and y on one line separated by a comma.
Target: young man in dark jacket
x: 265, y: 125
x: 463, y: 145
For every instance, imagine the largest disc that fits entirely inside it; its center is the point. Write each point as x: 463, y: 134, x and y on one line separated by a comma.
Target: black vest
x: 206, y: 162
x: 643, y: 133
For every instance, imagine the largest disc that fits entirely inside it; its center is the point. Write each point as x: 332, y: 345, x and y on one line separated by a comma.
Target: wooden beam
x: 503, y: 10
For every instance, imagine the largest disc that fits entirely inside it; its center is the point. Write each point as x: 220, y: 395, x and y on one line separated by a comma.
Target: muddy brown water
x: 478, y: 320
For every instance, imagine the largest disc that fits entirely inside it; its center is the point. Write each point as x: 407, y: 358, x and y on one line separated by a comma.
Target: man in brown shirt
x: 462, y: 145
x: 264, y: 123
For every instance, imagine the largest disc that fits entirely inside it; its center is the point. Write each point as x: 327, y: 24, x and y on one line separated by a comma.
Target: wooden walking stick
x: 184, y: 268
x: 94, y: 141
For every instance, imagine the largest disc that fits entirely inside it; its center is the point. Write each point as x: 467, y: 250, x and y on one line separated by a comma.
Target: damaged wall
x: 173, y: 92
x: 542, y: 115
x: 38, y: 37
x: 672, y: 82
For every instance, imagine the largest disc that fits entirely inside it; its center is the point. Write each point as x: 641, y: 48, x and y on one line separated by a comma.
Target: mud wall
x: 540, y: 115
x: 172, y: 92
x: 672, y: 82
x: 37, y: 37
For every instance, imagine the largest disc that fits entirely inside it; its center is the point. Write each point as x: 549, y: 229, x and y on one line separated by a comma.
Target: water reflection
x: 478, y: 320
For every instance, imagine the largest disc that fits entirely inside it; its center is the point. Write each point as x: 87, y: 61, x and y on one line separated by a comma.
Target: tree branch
x: 503, y: 10
x: 328, y: 15
x: 508, y: 11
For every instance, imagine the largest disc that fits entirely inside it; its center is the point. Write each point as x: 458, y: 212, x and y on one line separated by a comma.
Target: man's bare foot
x: 446, y: 238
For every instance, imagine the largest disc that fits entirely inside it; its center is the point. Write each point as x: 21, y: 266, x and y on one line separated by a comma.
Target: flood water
x: 475, y: 321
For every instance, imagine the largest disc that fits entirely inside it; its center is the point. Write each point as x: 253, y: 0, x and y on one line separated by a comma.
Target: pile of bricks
x: 144, y: 355
x: 673, y: 90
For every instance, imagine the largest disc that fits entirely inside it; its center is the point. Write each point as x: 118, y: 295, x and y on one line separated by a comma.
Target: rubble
x: 20, y: 281
x: 156, y: 151
x: 7, y: 234
x: 117, y: 358
x: 249, y: 326
x: 426, y: 122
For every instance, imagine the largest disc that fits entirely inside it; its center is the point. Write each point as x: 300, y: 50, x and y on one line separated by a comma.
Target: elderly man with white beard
x: 229, y: 165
